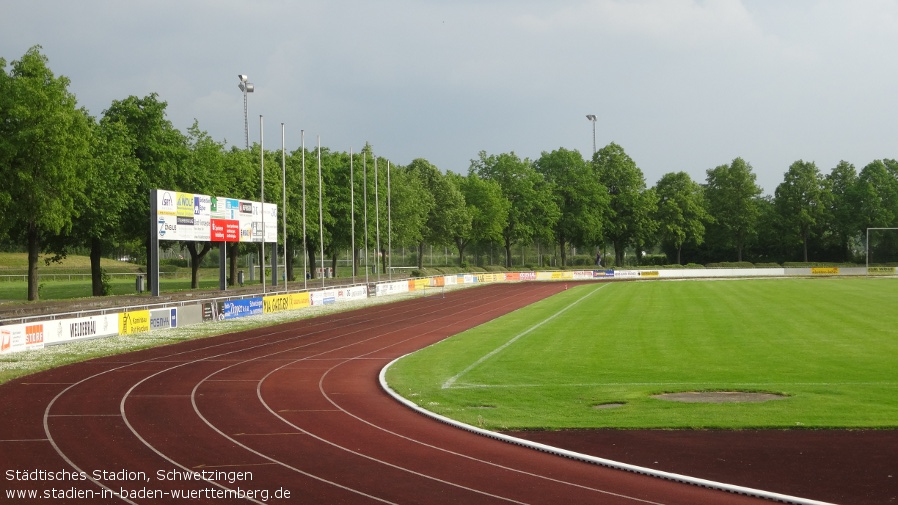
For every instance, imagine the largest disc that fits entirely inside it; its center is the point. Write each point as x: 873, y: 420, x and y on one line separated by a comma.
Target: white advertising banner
x: 69, y: 330
x: 352, y: 293
x: 21, y: 337
x: 391, y: 288
x: 204, y: 218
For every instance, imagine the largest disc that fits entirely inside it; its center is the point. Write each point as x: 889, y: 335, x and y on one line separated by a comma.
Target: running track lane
x: 299, y: 407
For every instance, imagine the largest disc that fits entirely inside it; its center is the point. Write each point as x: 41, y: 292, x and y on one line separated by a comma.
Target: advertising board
x: 204, y: 218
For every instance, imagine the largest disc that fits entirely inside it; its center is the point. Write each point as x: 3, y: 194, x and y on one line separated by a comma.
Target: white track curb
x: 592, y: 459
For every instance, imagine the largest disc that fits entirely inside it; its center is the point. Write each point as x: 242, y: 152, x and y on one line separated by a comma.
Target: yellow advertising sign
x: 825, y: 271
x: 649, y: 273
x: 881, y: 271
x: 136, y: 321
x: 275, y: 303
x: 300, y: 300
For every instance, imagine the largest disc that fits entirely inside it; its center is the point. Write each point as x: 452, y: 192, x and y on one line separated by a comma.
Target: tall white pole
x: 365, y: 201
x: 377, y: 218
x: 305, y: 251
x: 320, y: 212
x: 352, y: 212
x: 389, y: 224
x: 262, y: 166
x: 284, y: 199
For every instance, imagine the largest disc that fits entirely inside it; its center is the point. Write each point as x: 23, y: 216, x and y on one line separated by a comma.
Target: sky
x: 681, y: 85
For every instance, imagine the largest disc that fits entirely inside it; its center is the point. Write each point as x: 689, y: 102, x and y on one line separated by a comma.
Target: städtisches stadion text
x: 60, y: 484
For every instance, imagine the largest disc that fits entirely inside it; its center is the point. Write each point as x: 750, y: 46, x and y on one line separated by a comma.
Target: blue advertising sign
x: 240, y: 308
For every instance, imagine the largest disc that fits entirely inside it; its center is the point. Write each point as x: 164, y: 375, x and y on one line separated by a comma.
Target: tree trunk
x: 233, y: 255
x: 618, y: 253
x: 460, y: 244
x: 679, y: 250
x: 289, y: 266
x: 96, y: 273
x: 563, y: 252
x: 313, y: 272
x: 334, y: 264
x: 34, y: 249
x: 196, y: 259
x: 420, y: 255
x: 507, y: 245
x: 383, y: 260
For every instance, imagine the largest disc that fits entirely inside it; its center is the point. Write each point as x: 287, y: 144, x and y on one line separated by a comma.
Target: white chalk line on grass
x: 451, y: 380
x: 718, y: 385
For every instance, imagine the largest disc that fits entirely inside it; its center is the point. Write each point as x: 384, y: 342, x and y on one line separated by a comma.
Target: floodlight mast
x: 245, y: 87
x: 592, y: 117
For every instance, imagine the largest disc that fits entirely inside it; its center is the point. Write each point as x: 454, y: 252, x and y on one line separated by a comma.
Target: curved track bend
x: 298, y: 408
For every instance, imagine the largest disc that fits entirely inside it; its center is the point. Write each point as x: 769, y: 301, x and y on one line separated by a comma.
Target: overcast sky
x: 681, y: 85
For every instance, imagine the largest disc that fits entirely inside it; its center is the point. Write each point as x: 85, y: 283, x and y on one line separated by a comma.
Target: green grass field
x: 829, y: 345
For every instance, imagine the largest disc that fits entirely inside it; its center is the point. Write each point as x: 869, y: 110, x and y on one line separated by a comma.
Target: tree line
x: 71, y: 180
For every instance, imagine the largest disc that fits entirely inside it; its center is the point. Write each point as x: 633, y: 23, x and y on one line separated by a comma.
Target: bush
x: 731, y: 264
x: 174, y: 262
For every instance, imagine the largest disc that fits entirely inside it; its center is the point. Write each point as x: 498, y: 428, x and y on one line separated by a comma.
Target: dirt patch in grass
x: 613, y: 405
x: 719, y: 397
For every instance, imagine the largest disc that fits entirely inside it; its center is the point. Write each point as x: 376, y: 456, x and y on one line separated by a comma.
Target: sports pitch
x: 595, y: 355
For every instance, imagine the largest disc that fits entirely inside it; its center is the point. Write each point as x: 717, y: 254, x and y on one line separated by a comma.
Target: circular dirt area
x: 719, y: 397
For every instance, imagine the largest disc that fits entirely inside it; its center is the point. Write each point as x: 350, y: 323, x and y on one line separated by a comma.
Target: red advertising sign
x: 225, y: 230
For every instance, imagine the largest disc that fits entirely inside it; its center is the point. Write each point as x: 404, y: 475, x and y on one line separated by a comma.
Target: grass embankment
x: 829, y: 345
x: 70, y: 278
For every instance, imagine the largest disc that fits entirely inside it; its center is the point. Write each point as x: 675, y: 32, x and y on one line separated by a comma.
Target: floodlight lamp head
x: 249, y: 87
x: 242, y: 77
x: 591, y: 117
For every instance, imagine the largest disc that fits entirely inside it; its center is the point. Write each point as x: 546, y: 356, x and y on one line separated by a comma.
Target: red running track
x: 294, y: 408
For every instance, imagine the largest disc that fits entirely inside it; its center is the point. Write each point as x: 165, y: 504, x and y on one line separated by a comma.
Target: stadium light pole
x: 246, y: 87
x: 592, y: 117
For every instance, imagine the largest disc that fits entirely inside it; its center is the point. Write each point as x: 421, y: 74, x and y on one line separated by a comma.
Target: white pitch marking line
x: 451, y: 380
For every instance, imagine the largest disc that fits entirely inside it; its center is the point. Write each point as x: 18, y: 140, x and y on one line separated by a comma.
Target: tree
x: 582, y: 200
x: 44, y: 149
x: 877, y: 193
x: 843, y: 214
x: 731, y: 193
x: 410, y: 204
x: 206, y: 176
x: 628, y: 219
x: 533, y: 211
x: 878, y: 196
x: 447, y: 218
x: 242, y: 181
x: 108, y: 178
x: 161, y: 153
x: 801, y: 201
x: 681, y: 211
x: 487, y: 208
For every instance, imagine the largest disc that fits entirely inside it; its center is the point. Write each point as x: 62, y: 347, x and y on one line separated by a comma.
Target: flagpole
x: 365, y: 200
x: 352, y: 212
x: 377, y: 218
x: 389, y: 225
x: 320, y: 212
x: 305, y: 250
x: 262, y: 165
x: 284, y: 200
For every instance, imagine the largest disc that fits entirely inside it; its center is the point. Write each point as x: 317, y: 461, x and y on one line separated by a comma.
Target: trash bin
x: 139, y: 285
x: 240, y: 278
